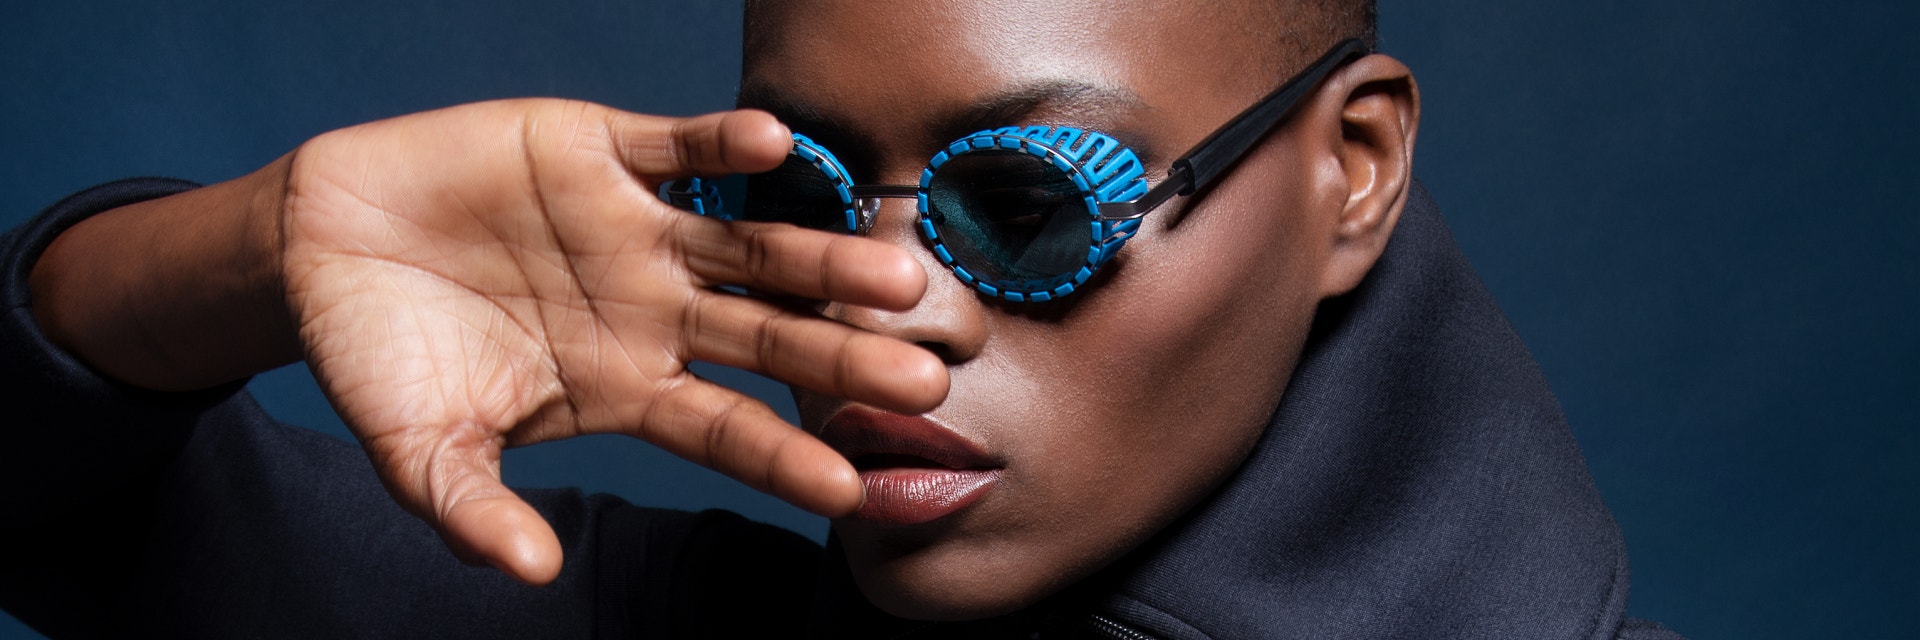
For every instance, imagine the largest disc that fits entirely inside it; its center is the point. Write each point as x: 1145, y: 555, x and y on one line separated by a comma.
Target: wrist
x: 176, y: 293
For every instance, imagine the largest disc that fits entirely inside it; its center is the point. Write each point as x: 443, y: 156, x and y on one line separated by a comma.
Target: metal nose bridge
x: 884, y: 191
x: 866, y: 200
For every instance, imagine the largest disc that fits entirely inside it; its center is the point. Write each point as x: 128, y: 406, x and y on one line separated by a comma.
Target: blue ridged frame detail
x: 1103, y: 169
x: 698, y: 195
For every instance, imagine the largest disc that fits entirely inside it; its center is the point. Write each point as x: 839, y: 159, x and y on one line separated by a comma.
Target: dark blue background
x: 1695, y: 212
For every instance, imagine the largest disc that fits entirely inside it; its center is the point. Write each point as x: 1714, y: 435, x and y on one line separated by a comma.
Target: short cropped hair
x: 1308, y: 28
x: 1296, y: 31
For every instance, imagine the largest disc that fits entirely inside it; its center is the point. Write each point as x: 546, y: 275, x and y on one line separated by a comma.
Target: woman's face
x: 1091, y: 423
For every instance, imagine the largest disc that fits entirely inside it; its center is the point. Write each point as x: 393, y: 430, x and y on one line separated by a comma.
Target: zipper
x: 1109, y: 628
x: 1094, y: 623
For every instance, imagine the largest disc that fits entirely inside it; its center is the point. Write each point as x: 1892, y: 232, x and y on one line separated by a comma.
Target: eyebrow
x: 1060, y: 101
x: 795, y: 113
x: 1073, y: 100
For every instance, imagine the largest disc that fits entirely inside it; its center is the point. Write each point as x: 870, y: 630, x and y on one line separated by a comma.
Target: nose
x: 950, y: 320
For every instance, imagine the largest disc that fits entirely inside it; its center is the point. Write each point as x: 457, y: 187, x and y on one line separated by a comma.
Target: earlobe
x: 1379, y: 116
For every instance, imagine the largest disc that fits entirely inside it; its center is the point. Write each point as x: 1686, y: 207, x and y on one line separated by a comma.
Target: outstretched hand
x: 501, y: 274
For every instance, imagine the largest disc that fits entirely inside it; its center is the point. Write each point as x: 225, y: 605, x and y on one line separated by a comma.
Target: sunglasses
x: 1024, y: 214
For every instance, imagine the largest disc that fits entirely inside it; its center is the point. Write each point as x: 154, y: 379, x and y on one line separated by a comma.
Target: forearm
x: 178, y: 293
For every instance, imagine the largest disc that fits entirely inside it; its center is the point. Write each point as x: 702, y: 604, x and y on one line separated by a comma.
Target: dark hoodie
x: 1417, y: 481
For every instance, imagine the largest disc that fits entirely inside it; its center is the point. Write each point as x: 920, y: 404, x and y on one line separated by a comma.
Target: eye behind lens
x: 800, y: 192
x: 1015, y: 211
x: 1012, y: 218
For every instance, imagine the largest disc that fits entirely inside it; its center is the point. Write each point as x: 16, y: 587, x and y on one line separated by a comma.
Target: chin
x: 948, y: 598
x: 938, y: 584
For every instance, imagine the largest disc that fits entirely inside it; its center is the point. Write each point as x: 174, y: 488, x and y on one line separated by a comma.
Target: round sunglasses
x: 1024, y: 214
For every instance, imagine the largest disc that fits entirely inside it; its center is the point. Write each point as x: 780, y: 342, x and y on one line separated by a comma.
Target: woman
x: 1281, y: 408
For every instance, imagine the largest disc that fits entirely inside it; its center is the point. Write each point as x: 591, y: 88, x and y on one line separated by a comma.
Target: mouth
x: 915, y: 469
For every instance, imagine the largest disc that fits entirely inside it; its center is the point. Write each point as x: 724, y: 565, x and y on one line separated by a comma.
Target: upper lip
x: 856, y: 431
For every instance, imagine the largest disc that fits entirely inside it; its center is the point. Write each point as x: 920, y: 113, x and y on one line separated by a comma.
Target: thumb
x: 455, y: 487
x: 505, y: 532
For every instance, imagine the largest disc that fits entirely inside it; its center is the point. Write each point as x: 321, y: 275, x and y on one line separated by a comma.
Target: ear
x: 1379, y: 115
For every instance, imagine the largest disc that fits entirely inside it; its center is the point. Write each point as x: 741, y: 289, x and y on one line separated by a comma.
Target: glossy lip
x: 928, y: 470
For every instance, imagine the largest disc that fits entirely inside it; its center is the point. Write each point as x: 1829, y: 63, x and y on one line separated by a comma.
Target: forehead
x: 908, y: 72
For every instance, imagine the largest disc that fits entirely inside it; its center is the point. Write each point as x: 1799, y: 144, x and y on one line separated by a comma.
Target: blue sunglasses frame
x: 1109, y: 176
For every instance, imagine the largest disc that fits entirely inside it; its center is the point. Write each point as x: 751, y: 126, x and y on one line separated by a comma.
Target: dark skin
x: 499, y: 274
x: 1191, y: 334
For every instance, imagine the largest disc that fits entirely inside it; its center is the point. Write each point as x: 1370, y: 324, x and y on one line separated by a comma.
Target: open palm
x: 500, y: 274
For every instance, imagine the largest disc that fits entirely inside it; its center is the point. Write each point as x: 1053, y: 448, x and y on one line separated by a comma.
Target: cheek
x: 1158, y: 384
x: 1117, y: 416
x: 1196, y: 333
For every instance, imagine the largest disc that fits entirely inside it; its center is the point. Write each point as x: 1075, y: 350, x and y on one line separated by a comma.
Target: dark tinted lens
x: 796, y: 193
x: 1009, y: 215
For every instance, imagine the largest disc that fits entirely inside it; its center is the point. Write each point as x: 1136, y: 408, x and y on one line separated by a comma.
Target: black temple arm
x: 1215, y: 154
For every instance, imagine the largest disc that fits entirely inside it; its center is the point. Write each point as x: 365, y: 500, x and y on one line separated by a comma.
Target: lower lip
x: 903, y: 496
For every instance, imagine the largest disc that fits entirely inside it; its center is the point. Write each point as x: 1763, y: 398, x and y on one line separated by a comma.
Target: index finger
x: 715, y: 144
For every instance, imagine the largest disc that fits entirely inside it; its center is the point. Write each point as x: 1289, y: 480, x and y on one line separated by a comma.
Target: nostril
x: 940, y: 350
